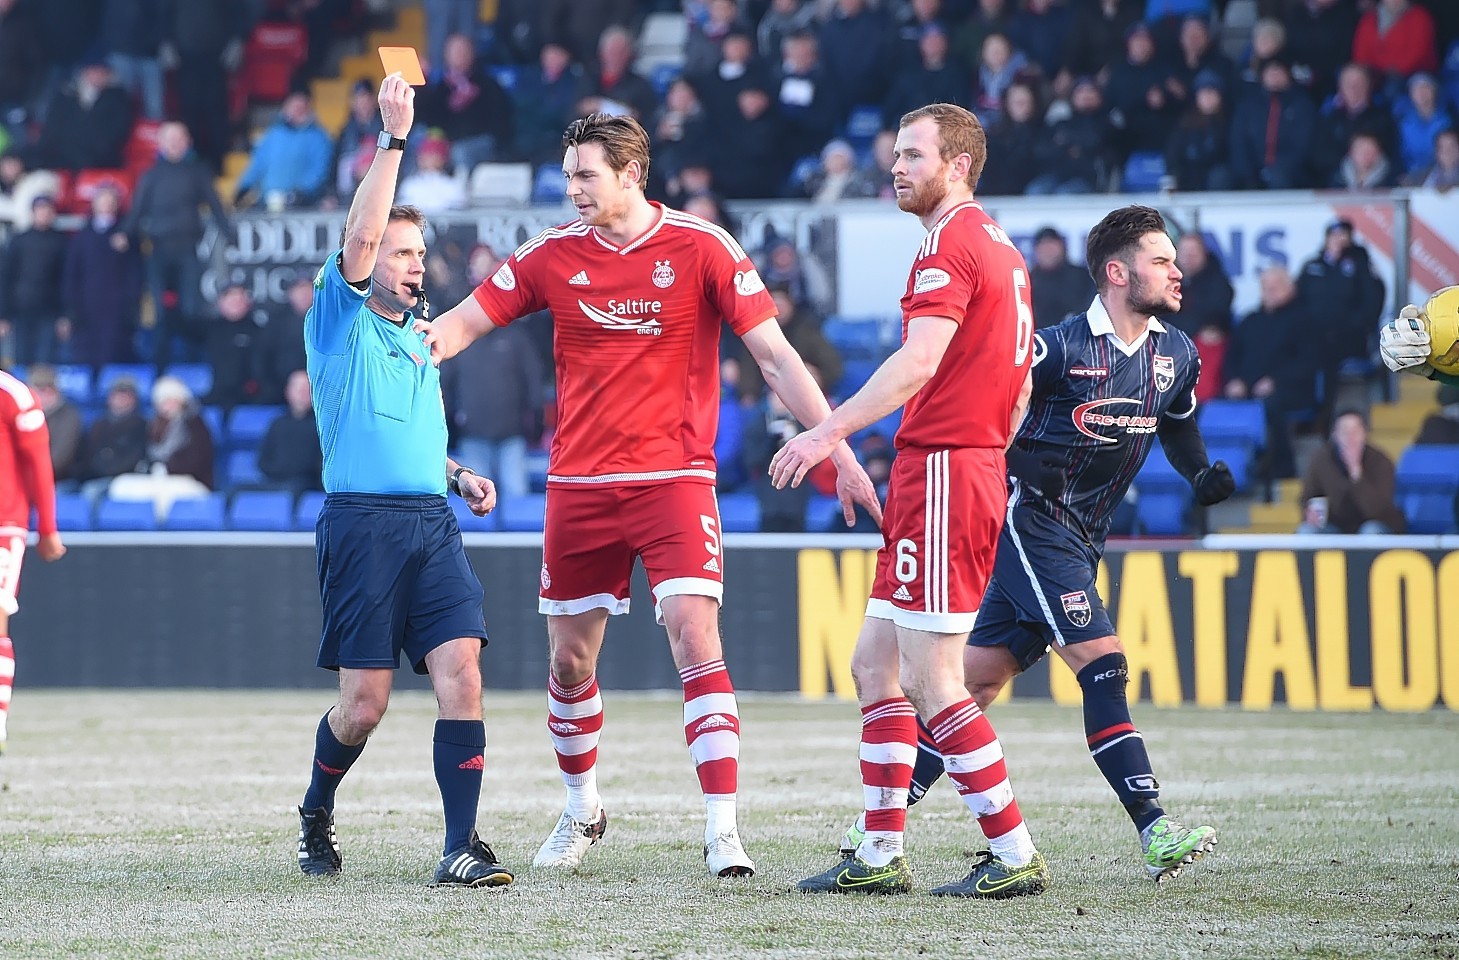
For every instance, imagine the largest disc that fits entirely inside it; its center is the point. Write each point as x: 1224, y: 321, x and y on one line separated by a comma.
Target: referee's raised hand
x: 397, y: 105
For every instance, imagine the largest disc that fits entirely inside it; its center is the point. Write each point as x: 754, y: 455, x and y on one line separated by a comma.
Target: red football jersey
x: 968, y: 270
x: 26, y: 479
x: 636, y: 339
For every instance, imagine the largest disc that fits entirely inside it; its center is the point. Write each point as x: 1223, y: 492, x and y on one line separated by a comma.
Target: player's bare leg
x: 1119, y: 751
x: 711, y: 725
x: 338, y: 743
x: 877, y: 862
x: 574, y: 722
x: 932, y: 674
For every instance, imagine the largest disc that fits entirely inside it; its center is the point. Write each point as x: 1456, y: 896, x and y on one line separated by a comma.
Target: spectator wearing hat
x: 1421, y: 116
x: 19, y: 187
x: 177, y: 437
x: 116, y: 442
x: 1014, y: 142
x: 63, y: 420
x: 289, y: 167
x: 31, y: 305
x: 431, y: 187
x: 1198, y: 153
x: 1271, y: 133
x: 1141, y: 106
x: 102, y: 284
x: 933, y: 79
x: 804, y: 95
x: 1396, y: 38
x: 466, y: 104
x: 1321, y: 40
x: 1077, y: 154
x: 87, y: 123
x: 1060, y: 289
x: 838, y: 177
x: 1443, y: 173
x: 1350, y: 111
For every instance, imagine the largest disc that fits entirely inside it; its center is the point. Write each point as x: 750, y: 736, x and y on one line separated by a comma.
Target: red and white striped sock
x: 888, y: 748
x: 7, y: 678
x: 575, y: 720
x: 974, y: 760
x: 712, y: 730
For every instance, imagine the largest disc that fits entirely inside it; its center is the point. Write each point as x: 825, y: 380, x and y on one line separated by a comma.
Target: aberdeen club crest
x: 663, y: 274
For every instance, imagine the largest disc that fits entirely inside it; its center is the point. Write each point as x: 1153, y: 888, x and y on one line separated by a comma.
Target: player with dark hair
x: 962, y: 374
x: 26, y: 483
x: 638, y: 294
x: 393, y: 575
x: 1106, y: 383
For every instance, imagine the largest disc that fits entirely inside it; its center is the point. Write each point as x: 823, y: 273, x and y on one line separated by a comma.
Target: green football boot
x: 1169, y: 846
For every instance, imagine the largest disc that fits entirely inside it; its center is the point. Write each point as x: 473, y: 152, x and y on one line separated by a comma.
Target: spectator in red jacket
x: 1396, y: 38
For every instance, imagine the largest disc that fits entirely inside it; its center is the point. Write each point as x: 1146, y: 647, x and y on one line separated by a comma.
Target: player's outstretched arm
x: 454, y: 330
x: 891, y: 386
x: 370, y: 210
x: 785, y: 373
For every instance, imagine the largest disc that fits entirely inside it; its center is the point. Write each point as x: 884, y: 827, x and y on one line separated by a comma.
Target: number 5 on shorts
x: 711, y: 530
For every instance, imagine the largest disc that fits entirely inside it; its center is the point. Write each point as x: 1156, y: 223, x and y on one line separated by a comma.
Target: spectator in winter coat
x: 1060, y: 289
x: 178, y: 438
x: 102, y: 284
x: 1271, y: 133
x: 1396, y: 39
x: 117, y: 441
x: 1421, y: 117
x: 289, y: 456
x: 467, y: 105
x: 290, y: 163
x: 87, y: 124
x: 1014, y: 143
x: 31, y: 305
x: 1349, y: 486
x: 1443, y: 173
x: 1198, y: 152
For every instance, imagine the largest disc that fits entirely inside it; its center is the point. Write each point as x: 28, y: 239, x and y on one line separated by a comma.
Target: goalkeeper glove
x: 1404, y: 342
x: 1213, y: 484
x: 1043, y: 470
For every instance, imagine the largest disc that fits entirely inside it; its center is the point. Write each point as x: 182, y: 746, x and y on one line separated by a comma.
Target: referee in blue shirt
x: 393, y: 576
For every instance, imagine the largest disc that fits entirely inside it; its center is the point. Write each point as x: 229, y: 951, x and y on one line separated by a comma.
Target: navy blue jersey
x: 1098, y: 401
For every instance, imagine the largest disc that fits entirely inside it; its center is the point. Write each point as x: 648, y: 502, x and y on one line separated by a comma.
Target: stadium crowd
x: 115, y: 120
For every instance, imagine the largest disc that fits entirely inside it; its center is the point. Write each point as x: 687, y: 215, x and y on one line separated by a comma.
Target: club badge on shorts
x: 546, y: 580
x: 1164, y: 368
x: 1076, y: 608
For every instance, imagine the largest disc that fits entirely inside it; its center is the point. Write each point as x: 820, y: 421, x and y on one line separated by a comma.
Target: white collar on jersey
x: 1102, y: 326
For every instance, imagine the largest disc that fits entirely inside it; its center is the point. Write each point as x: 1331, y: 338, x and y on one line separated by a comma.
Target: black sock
x: 332, y: 760
x: 459, y: 755
x: 1114, y: 743
x: 928, y: 766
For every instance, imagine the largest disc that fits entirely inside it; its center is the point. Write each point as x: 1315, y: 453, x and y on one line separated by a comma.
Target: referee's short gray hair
x: 401, y: 211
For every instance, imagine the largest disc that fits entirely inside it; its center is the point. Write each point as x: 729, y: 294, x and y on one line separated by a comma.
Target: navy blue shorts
x: 1042, y: 591
x: 393, y: 578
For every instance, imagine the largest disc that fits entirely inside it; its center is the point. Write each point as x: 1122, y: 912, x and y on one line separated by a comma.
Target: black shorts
x: 393, y: 578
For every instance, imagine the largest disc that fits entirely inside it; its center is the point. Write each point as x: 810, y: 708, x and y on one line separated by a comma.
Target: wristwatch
x: 386, y: 142
x: 454, y: 484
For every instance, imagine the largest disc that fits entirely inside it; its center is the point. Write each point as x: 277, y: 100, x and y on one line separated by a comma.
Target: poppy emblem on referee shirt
x: 1076, y: 608
x: 418, y: 361
x: 1164, y: 368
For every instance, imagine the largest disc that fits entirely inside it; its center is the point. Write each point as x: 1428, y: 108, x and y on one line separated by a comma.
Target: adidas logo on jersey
x: 563, y: 727
x: 579, y: 279
x: 902, y: 594
x: 713, y: 721
x: 712, y: 565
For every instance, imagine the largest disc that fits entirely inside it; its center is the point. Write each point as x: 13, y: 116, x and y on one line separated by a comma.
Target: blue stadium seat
x: 247, y: 425
x: 822, y: 514
x: 126, y: 515
x: 855, y: 337
x: 200, y: 513
x: 142, y: 374
x: 470, y: 522
x: 243, y: 469
x: 197, y: 376
x: 73, y: 512
x: 261, y: 510
x: 522, y: 513
x: 306, y: 511
x: 801, y: 171
x: 886, y: 427
x: 1162, y: 514
x: 739, y: 513
x: 1239, y: 458
x: 19, y: 371
x: 537, y: 471
x: 1234, y: 421
x: 75, y: 381
x: 213, y: 417
x: 854, y: 376
x: 863, y: 124
x: 1429, y: 468
x: 1428, y: 512
x: 506, y: 77
x: 547, y: 184
x: 1157, y: 476
x: 663, y: 75
x: 1143, y: 172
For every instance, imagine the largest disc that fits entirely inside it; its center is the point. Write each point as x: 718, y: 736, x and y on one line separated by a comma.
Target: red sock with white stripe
x: 575, y: 720
x: 888, y: 748
x: 712, y: 730
x: 974, y: 760
x: 7, y: 677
